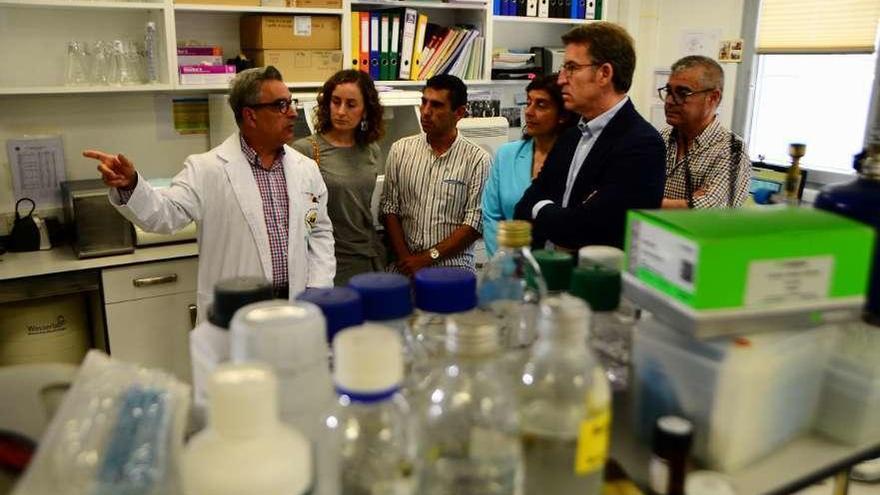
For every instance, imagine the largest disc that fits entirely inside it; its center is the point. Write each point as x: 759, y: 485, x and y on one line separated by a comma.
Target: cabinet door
x: 153, y: 331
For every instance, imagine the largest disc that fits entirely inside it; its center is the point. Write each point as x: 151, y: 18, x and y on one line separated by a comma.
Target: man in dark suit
x: 613, y: 161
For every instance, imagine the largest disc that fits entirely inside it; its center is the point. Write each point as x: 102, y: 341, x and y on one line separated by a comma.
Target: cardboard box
x: 286, y: 32
x: 733, y: 272
x: 749, y: 258
x: 300, y: 65
x: 206, y: 74
x: 247, y: 3
x: 315, y: 4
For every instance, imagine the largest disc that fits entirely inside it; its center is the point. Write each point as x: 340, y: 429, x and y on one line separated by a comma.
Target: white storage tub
x: 850, y: 407
x: 746, y: 395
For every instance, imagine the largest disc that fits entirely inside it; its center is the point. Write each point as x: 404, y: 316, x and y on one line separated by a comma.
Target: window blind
x: 818, y: 26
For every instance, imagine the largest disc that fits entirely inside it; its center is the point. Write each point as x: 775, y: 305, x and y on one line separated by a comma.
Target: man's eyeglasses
x: 281, y: 104
x: 680, y: 94
x: 569, y: 68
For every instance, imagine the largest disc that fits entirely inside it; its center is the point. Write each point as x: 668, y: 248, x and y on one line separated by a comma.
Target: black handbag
x: 25, y: 236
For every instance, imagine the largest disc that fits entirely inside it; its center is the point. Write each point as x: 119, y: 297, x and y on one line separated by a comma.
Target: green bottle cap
x: 598, y: 286
x: 556, y: 267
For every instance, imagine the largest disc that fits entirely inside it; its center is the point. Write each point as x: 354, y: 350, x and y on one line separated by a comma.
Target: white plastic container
x: 291, y: 338
x: 246, y: 449
x: 850, y: 407
x: 745, y: 395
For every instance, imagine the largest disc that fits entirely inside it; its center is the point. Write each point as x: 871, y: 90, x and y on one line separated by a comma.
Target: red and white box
x: 206, y: 74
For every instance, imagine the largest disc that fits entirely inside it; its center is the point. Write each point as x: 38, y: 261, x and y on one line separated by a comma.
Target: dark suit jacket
x: 625, y: 169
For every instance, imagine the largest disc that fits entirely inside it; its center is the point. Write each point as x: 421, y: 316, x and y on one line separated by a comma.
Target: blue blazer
x: 625, y: 170
x: 510, y: 175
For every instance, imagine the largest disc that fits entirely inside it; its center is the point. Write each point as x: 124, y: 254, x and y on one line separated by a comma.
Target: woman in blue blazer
x: 517, y: 163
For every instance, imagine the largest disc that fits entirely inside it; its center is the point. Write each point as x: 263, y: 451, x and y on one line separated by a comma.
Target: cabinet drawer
x: 128, y: 283
x: 153, y: 332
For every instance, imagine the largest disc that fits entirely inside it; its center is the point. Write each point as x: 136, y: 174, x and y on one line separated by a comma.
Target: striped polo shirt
x: 434, y: 195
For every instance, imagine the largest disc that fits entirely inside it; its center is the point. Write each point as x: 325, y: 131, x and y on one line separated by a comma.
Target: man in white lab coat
x: 260, y: 206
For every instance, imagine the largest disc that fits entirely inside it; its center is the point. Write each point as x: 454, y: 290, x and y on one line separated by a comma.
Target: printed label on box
x: 668, y: 255
x: 302, y: 25
x: 789, y: 280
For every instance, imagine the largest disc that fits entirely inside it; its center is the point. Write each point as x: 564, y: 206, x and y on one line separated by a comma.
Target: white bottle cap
x: 368, y: 359
x: 243, y: 399
x: 288, y: 335
x: 605, y: 256
x: 564, y: 317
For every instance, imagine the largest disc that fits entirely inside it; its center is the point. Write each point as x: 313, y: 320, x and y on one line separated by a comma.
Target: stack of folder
x: 559, y: 9
x: 400, y: 44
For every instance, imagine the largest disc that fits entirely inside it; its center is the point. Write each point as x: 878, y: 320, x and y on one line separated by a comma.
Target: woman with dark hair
x: 517, y: 163
x: 348, y: 124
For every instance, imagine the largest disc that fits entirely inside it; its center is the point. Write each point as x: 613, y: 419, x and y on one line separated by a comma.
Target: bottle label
x: 592, y: 445
x: 658, y: 474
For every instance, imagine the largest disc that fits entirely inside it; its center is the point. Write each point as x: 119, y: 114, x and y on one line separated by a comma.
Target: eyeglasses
x: 283, y: 105
x: 680, y: 94
x: 569, y: 68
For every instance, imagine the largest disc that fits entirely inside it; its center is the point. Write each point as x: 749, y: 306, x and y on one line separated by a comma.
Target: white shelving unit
x: 36, y: 34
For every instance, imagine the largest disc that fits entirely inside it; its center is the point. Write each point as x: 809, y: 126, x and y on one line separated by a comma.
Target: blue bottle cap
x: 445, y: 290
x: 385, y: 296
x: 341, y: 306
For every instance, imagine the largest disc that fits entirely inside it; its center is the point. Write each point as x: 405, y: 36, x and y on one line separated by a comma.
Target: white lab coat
x: 218, y: 191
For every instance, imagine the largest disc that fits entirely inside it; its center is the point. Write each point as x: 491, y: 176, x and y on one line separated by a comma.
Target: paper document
x: 37, y: 169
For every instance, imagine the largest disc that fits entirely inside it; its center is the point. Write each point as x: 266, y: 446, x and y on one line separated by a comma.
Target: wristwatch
x: 434, y: 253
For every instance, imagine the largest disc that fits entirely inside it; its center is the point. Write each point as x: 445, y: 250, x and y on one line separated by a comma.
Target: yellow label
x: 592, y: 446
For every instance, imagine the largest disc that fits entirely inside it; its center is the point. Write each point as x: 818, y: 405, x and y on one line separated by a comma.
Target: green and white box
x: 729, y: 272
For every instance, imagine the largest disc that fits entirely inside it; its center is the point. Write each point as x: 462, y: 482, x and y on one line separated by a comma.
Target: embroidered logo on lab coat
x: 311, y: 217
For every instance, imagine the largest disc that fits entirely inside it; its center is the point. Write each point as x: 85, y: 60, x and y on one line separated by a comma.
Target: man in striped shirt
x: 707, y: 166
x: 433, y: 184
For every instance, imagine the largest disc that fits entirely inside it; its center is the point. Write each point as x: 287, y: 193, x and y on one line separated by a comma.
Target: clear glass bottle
x: 440, y: 294
x: 611, y: 330
x: 371, y: 439
x: 387, y: 300
x: 151, y: 55
x: 512, y: 286
x: 564, y: 404
x: 469, y: 435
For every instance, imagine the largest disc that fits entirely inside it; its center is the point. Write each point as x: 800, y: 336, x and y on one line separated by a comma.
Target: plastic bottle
x: 387, y: 300
x: 610, y: 330
x: 512, y: 286
x: 859, y: 199
x: 371, y: 438
x: 209, y: 341
x: 151, y: 56
x: 341, y: 307
x: 565, y: 406
x: 469, y: 434
x: 290, y: 338
x: 556, y: 268
x: 246, y: 450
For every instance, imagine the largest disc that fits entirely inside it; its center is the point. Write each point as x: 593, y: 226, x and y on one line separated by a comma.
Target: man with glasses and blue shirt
x: 613, y: 161
x: 260, y: 206
x: 707, y: 166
